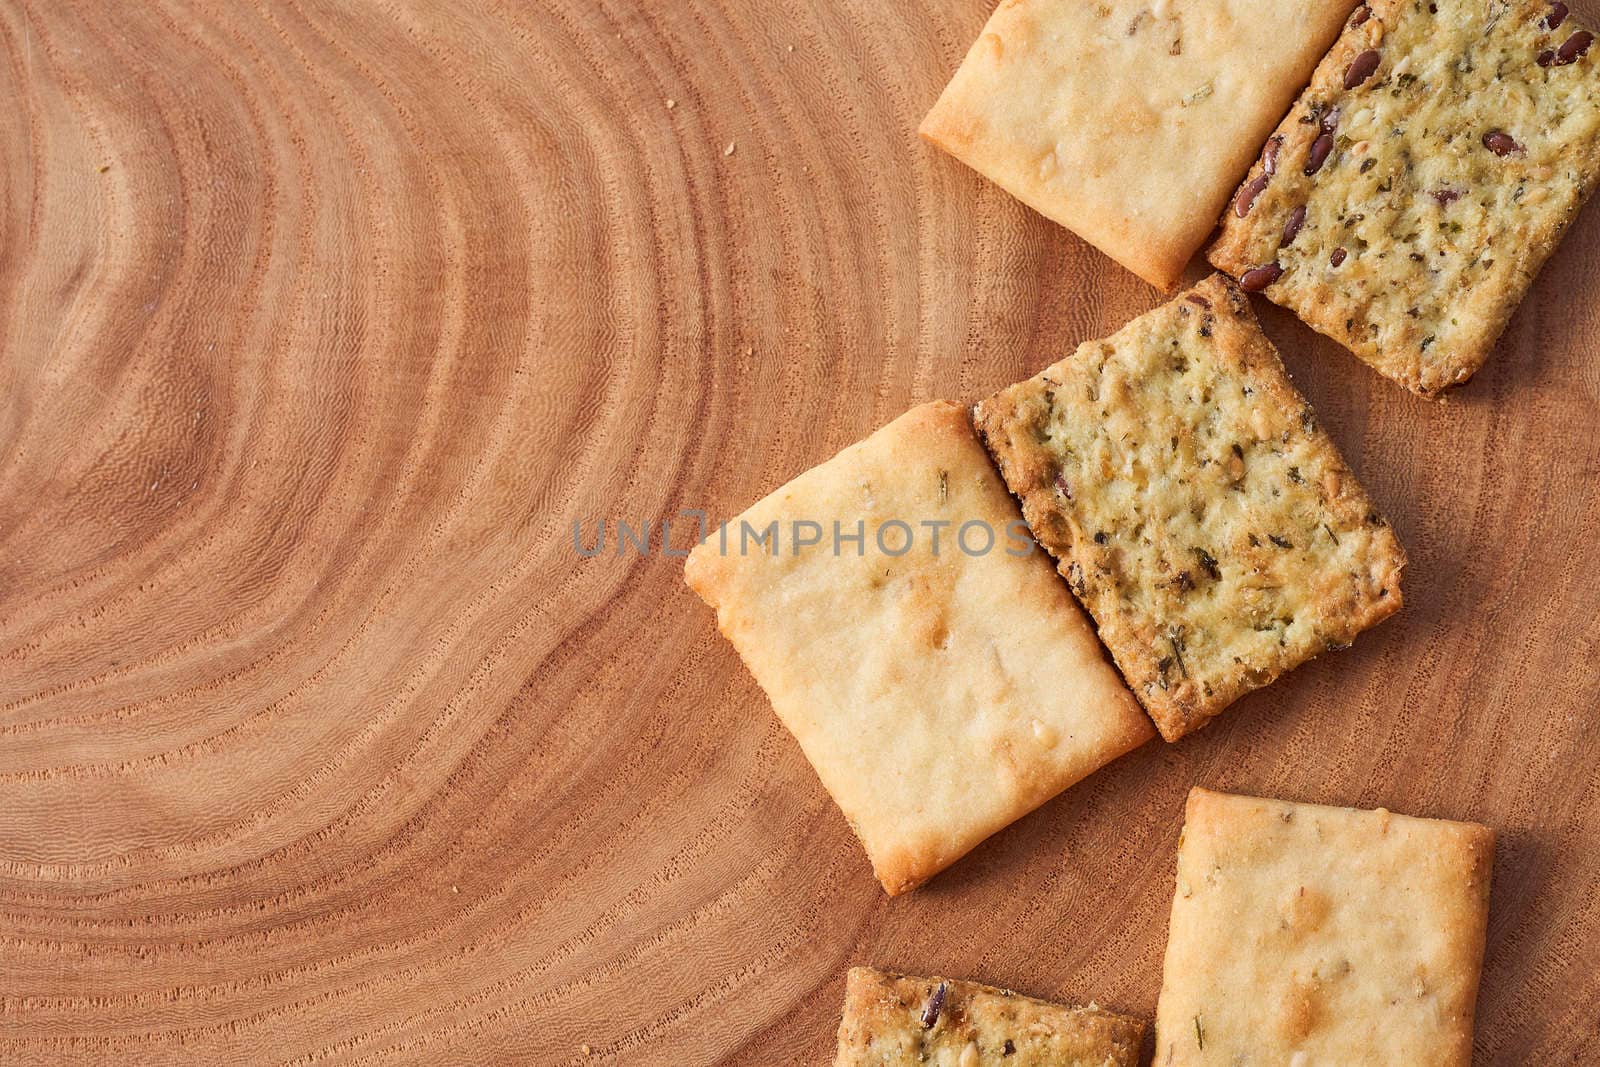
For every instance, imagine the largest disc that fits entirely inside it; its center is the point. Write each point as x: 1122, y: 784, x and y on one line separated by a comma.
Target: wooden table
x: 323, y: 322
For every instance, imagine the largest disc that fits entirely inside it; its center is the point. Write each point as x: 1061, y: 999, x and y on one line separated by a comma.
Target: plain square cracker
x: 1129, y: 121
x: 892, y: 1020
x: 939, y: 696
x: 1310, y: 935
x: 1418, y: 240
x: 1194, y: 505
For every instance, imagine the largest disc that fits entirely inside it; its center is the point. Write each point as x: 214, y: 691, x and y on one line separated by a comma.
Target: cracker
x: 1129, y: 121
x: 1305, y: 935
x: 1194, y: 505
x: 940, y: 693
x: 1441, y: 182
x: 892, y: 1020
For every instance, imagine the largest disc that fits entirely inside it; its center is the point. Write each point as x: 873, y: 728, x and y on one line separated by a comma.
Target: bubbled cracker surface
x: 1195, y: 507
x: 940, y: 693
x: 1127, y: 121
x: 1304, y: 936
x: 1440, y: 234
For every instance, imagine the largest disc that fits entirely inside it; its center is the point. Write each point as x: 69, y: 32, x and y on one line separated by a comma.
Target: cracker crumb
x: 729, y: 150
x: 671, y: 103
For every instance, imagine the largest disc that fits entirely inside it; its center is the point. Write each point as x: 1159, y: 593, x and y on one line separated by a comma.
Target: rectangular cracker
x: 892, y: 1020
x: 940, y: 691
x: 1304, y: 934
x: 1129, y: 121
x: 1419, y: 237
x: 1194, y: 505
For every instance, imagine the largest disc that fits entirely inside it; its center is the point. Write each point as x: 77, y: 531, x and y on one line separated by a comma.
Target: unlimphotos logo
x: 891, y: 537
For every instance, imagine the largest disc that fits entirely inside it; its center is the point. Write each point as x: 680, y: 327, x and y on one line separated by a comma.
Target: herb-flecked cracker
x: 1428, y: 171
x: 892, y: 1020
x: 1308, y: 935
x: 935, y: 671
x: 1194, y: 505
x: 1129, y: 121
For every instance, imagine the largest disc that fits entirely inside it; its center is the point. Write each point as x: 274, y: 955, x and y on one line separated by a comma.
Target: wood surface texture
x: 321, y: 321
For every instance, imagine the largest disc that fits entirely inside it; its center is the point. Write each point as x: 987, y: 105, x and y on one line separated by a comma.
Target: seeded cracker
x: 1407, y: 201
x: 1194, y: 505
x: 940, y: 695
x: 1310, y: 935
x: 891, y: 1020
x: 1130, y: 121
